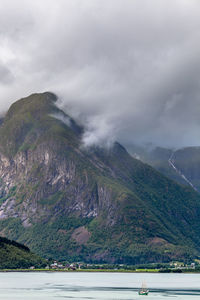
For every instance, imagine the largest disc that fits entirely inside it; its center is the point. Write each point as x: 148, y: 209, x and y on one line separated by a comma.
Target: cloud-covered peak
x: 129, y: 70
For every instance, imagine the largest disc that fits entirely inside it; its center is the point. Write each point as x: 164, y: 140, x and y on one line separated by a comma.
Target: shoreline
x: 156, y: 271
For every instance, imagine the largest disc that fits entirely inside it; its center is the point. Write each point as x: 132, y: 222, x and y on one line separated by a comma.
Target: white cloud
x: 127, y: 69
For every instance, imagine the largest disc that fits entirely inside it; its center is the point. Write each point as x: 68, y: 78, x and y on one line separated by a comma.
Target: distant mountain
x: 182, y: 165
x: 97, y: 205
x: 16, y: 256
x: 187, y: 163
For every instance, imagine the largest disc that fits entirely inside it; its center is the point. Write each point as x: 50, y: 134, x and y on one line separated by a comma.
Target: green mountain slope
x: 158, y: 158
x: 181, y: 165
x: 187, y: 161
x: 96, y: 204
x: 16, y: 256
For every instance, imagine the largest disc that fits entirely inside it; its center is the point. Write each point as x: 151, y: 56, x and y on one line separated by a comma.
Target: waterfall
x: 171, y: 163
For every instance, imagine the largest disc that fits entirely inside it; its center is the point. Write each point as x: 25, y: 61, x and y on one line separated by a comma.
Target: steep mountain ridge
x: 96, y: 204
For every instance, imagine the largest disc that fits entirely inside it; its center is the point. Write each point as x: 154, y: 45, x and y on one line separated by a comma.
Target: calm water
x: 102, y: 286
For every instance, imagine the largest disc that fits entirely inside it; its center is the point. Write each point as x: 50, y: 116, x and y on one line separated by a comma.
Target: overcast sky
x: 128, y: 69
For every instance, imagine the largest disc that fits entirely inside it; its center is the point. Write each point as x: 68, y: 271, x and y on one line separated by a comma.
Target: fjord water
x: 99, y: 286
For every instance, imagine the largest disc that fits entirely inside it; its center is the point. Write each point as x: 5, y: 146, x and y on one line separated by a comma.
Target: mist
x: 127, y: 70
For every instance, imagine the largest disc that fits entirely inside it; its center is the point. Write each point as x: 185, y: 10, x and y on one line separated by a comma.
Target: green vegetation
x: 17, y: 256
x: 186, y: 160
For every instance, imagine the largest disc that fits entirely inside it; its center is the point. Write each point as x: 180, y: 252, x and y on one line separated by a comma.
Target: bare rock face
x: 39, y: 174
x: 94, y: 204
x: 81, y: 235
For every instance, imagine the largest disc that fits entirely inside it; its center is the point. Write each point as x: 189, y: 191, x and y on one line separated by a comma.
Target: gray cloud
x: 6, y: 76
x: 129, y: 70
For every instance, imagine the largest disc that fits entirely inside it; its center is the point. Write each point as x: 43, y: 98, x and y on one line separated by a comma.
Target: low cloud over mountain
x: 127, y: 69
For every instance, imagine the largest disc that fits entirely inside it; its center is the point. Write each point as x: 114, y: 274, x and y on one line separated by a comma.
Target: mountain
x: 99, y: 205
x: 14, y: 255
x: 187, y: 164
x: 181, y: 165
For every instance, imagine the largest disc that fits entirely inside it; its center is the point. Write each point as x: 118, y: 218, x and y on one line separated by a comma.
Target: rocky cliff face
x: 37, y: 182
x: 87, y: 204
